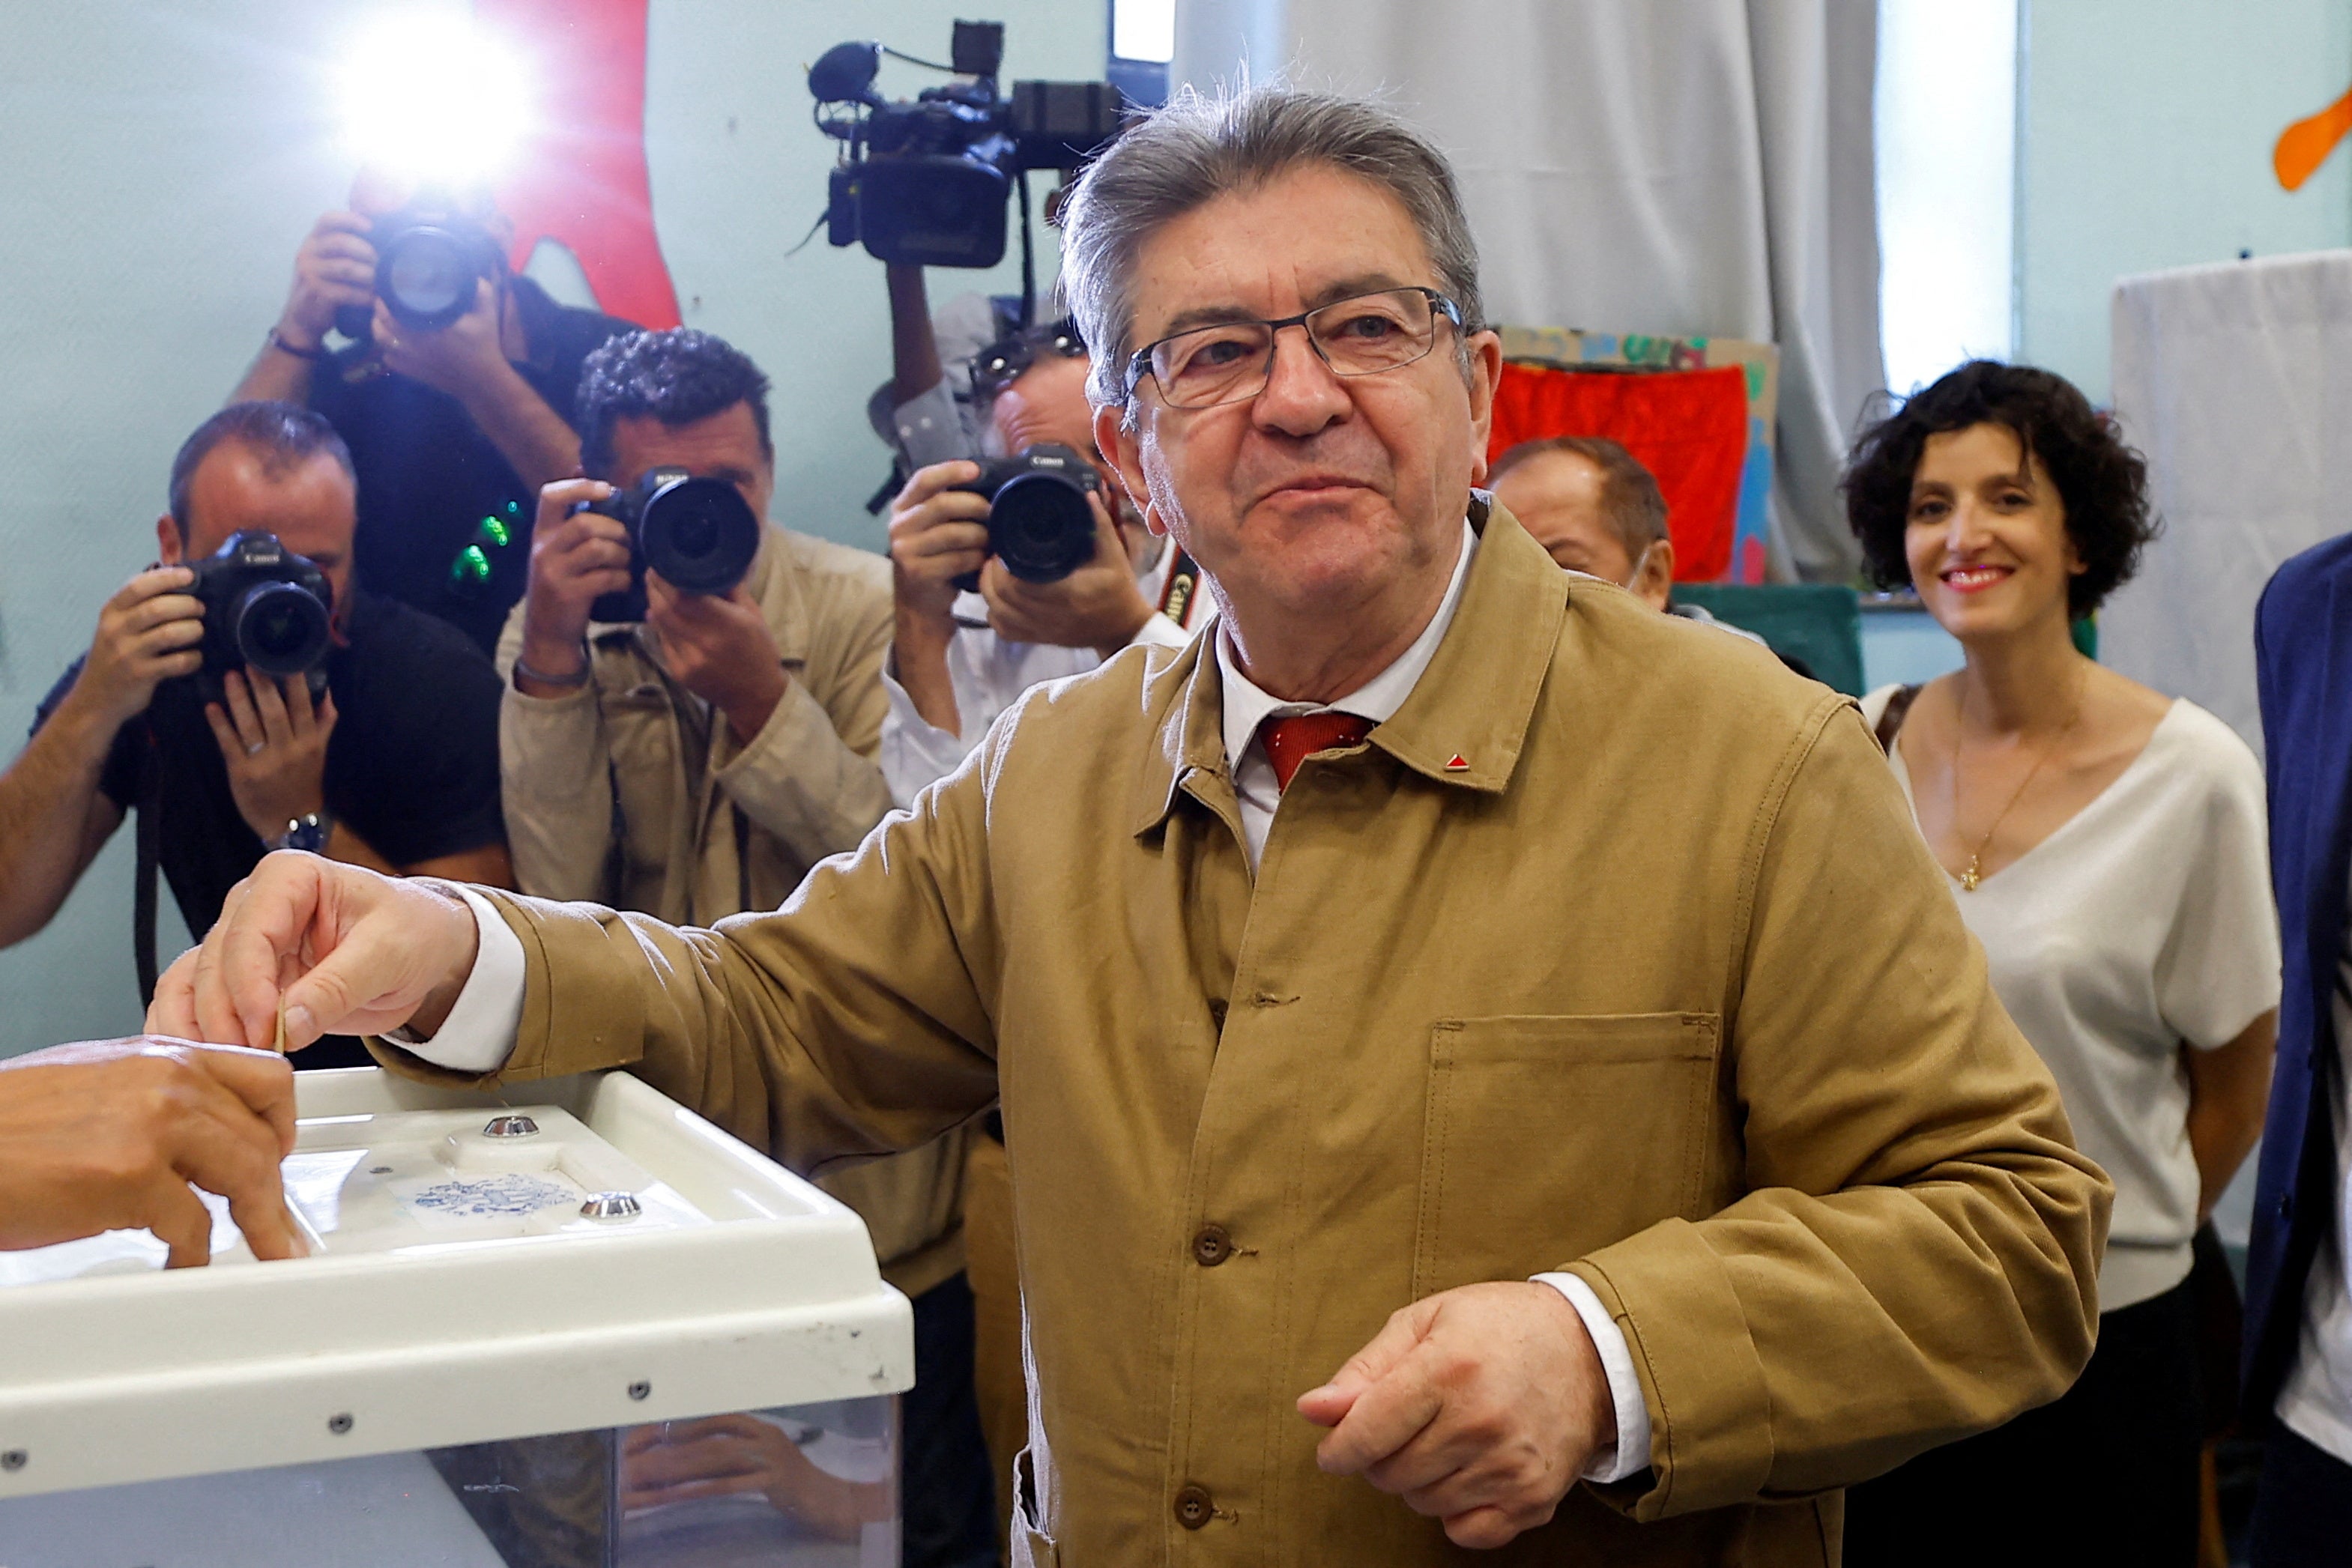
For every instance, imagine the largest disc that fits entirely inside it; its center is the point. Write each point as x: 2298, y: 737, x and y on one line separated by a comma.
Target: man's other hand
x: 463, y: 359
x: 720, y: 648
x: 335, y: 268
x: 1098, y: 606
x: 273, y: 740
x: 108, y: 1136
x: 147, y: 634
x: 334, y: 948
x: 937, y: 535
x: 577, y: 557
x: 1479, y: 1406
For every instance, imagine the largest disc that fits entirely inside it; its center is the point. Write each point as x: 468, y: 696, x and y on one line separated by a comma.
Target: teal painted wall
x: 2147, y: 128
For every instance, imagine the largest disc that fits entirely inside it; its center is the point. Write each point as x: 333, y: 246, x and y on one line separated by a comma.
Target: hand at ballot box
x: 745, y: 1456
x: 109, y: 1135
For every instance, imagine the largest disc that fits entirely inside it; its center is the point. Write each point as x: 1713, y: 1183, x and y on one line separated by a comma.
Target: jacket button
x: 1194, y: 1506
x: 1210, y: 1247
x: 1217, y: 1012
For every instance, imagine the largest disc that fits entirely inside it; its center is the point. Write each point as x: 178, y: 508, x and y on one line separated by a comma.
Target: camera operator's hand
x: 147, y: 634
x: 1098, y: 606
x: 575, y: 558
x: 721, y: 650
x: 335, y: 268
x: 108, y: 1134
x: 275, y: 743
x: 937, y: 535
x: 463, y: 359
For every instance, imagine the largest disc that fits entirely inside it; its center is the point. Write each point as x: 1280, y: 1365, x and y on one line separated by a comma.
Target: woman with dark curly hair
x: 2105, y: 844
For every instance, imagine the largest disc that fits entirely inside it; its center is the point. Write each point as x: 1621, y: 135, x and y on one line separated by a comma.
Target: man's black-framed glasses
x: 1232, y: 361
x: 1000, y: 364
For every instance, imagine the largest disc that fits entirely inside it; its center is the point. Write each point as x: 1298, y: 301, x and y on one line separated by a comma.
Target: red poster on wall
x: 579, y: 176
x: 1688, y: 428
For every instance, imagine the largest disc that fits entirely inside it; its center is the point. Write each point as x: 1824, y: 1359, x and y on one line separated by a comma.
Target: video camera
x: 429, y: 256
x: 264, y: 607
x: 926, y: 182
x: 1039, y: 524
x: 699, y: 534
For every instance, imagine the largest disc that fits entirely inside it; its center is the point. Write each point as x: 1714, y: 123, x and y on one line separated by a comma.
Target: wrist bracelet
x: 572, y: 681
x: 316, y: 356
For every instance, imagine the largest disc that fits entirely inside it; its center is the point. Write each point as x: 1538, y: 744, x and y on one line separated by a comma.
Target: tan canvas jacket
x: 1659, y: 985
x: 630, y: 792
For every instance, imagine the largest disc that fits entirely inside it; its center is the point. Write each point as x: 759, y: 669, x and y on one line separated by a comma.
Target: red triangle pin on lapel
x: 1457, y: 763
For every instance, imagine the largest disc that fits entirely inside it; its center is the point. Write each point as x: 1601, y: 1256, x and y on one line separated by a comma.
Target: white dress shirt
x: 480, y: 1033
x: 987, y: 674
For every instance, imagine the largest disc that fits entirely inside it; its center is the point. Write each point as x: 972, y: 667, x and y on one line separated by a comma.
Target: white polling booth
x: 587, y: 1330
x: 2235, y: 381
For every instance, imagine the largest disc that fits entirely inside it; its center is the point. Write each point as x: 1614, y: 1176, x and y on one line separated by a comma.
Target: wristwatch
x: 308, y: 834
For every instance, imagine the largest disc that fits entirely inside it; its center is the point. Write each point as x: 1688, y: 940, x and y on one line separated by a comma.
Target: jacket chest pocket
x: 1546, y: 1138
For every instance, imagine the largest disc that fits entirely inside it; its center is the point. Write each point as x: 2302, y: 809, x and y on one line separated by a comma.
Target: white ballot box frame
x: 774, y: 1302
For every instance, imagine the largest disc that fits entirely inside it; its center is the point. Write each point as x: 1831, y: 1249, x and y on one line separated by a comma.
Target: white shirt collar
x: 1378, y: 699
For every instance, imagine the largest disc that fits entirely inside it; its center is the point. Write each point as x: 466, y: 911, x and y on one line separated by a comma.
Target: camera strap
x: 1184, y: 584
x: 147, y: 834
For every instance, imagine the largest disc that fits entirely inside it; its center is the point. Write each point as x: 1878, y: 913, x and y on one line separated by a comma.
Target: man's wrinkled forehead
x: 1247, y: 255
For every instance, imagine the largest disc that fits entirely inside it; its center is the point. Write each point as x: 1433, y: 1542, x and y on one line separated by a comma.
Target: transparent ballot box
x: 591, y: 1330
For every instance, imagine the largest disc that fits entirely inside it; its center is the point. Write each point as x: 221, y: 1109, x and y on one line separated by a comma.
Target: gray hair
x: 1202, y: 147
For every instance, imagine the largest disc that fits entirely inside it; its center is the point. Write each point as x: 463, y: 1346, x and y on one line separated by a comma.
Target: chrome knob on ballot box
x: 640, y: 1293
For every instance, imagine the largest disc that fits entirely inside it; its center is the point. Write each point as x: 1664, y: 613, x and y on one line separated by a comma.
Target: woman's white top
x: 2144, y: 921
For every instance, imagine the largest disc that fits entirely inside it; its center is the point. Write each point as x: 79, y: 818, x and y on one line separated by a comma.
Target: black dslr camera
x: 429, y: 257
x: 926, y: 182
x: 264, y: 607
x: 1039, y: 524
x: 699, y: 534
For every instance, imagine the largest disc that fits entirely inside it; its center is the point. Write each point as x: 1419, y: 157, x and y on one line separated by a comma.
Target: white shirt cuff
x: 1630, y: 1456
x: 479, y: 1035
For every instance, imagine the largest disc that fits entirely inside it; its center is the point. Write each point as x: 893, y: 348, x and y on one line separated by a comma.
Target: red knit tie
x: 1290, y: 741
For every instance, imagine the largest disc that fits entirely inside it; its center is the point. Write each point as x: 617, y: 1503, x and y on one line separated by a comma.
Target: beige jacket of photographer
x: 630, y: 792
x: 1614, y: 949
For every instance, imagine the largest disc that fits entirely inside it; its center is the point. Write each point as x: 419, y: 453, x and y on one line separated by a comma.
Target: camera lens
x: 426, y: 278
x: 280, y: 629
x: 1041, y: 527
x: 698, y: 535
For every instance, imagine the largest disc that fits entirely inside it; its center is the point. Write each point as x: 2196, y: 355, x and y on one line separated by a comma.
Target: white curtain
x: 2235, y: 381
x: 1674, y: 167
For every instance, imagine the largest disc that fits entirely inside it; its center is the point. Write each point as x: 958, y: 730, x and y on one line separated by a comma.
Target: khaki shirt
x: 1658, y: 985
x: 634, y: 793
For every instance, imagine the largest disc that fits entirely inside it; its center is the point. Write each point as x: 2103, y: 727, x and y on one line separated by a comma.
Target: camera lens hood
x: 280, y: 628
x: 698, y: 535
x: 426, y: 275
x: 1040, y: 526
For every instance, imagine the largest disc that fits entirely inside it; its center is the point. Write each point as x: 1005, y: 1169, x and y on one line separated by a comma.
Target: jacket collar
x: 1467, y: 721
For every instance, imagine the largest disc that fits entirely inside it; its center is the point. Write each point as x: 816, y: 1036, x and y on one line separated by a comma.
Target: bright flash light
x: 434, y: 99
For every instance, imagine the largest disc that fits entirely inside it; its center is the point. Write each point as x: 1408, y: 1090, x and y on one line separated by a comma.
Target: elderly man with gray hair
x: 1482, y: 1064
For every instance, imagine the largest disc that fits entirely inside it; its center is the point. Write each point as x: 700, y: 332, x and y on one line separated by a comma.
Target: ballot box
x: 582, y: 1328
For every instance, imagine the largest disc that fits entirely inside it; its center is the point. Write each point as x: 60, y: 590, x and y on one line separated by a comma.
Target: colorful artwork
x: 509, y: 1195
x: 1696, y: 412
x: 2304, y: 146
x: 579, y: 176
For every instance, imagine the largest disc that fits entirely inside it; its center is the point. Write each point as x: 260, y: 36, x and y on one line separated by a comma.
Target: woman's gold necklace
x: 1973, y: 877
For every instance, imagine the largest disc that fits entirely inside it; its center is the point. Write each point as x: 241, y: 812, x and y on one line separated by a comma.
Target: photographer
x: 693, y: 761
x: 453, y: 428
x: 394, y: 766
x: 959, y: 658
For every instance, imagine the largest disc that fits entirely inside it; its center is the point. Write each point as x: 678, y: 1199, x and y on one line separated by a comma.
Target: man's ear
x: 1485, y: 375
x: 168, y: 548
x: 1655, y: 583
x: 1116, y: 440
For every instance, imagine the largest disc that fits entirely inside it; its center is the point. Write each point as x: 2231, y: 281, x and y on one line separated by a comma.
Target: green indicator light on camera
x: 495, y: 531
x: 472, y: 565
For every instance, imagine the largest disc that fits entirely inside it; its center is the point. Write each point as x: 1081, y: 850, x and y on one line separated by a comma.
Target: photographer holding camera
x: 998, y: 582
x: 693, y: 710
x: 454, y: 395
x: 195, y: 705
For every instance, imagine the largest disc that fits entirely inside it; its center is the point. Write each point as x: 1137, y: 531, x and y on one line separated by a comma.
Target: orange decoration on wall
x: 2304, y: 146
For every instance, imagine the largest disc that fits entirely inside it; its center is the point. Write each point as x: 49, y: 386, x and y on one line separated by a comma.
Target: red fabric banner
x: 1688, y: 428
